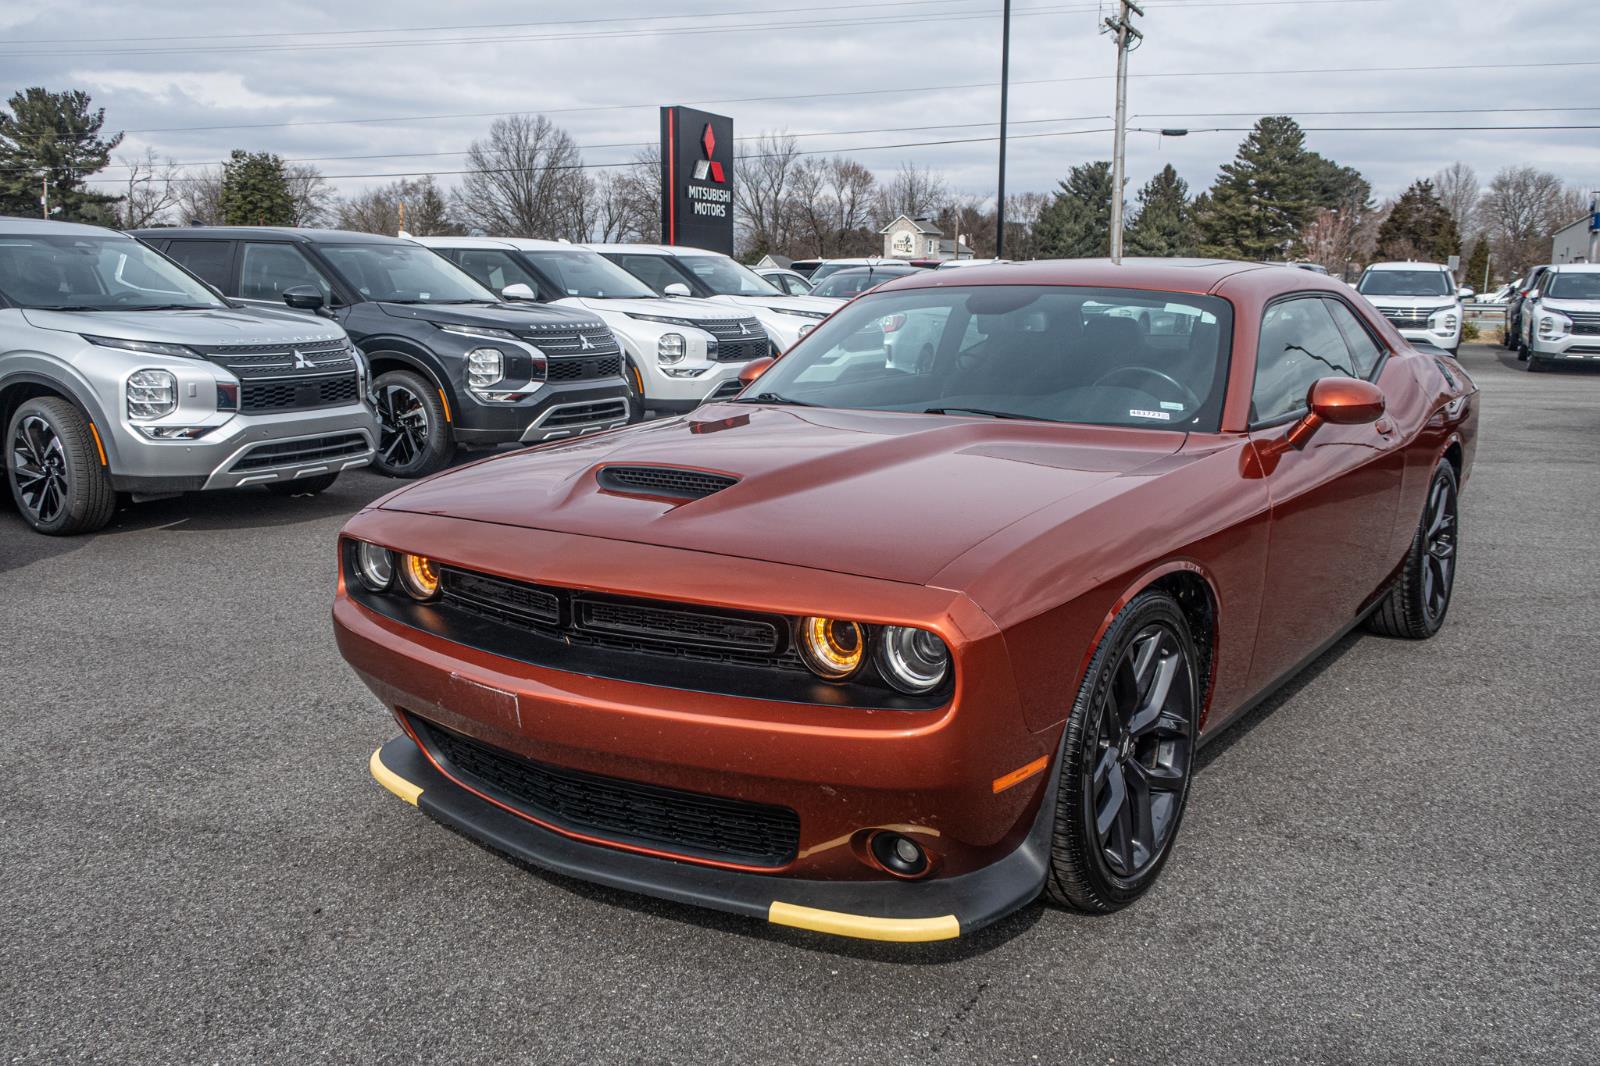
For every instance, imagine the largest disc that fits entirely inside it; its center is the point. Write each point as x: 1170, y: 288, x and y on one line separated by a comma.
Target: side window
x: 1299, y: 344
x: 1364, y: 351
x: 266, y: 270
x: 208, y: 260
x: 653, y: 270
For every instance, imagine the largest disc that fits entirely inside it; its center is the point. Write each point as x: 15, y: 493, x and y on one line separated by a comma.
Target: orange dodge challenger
x: 933, y: 616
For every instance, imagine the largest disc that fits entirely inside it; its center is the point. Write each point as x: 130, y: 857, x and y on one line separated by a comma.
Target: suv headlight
x: 663, y: 319
x: 485, y: 366
x: 476, y: 331
x: 1553, y: 326
x: 671, y: 348
x: 151, y: 394
x: 799, y: 314
x: 146, y: 347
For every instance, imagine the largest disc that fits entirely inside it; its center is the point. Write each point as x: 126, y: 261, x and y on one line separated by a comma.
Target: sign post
x: 697, y: 179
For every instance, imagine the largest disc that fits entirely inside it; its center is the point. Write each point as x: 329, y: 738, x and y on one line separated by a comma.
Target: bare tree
x: 200, y: 197
x: 916, y: 192
x: 313, y: 195
x: 761, y: 193
x: 1520, y: 211
x: 1333, y: 239
x: 851, y: 190
x: 1458, y: 189
x: 417, y: 207
x: 525, y: 180
x: 152, y: 190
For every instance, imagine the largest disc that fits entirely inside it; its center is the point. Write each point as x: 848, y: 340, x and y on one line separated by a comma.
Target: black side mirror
x: 304, y: 298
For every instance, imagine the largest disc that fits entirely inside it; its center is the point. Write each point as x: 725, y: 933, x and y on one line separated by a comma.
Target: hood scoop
x: 663, y: 482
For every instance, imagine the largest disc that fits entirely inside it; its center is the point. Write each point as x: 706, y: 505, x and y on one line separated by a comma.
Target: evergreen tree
x: 1263, y: 199
x: 54, y: 136
x: 1077, y: 223
x: 255, y: 191
x: 1165, y: 225
x: 1477, y: 266
x: 1419, y: 227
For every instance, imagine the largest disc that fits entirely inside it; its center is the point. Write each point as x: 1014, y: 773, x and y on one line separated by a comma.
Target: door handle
x: 1384, y: 427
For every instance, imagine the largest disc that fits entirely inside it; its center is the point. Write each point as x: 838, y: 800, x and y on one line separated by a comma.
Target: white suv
x: 1561, y: 319
x: 694, y: 272
x: 680, y: 353
x: 1420, y: 300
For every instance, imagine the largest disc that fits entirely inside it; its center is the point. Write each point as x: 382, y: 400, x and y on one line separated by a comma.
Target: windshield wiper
x: 981, y: 411
x: 72, y: 307
x: 173, y: 307
x: 774, y: 398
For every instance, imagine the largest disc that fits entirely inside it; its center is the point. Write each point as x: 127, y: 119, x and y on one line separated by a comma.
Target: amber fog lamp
x: 374, y: 566
x: 831, y: 647
x: 420, y: 576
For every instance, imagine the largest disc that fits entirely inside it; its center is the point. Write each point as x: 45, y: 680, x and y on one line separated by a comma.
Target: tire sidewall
x: 440, y: 439
x: 72, y: 431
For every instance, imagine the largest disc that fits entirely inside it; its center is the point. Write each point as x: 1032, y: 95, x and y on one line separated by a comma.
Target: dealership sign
x: 697, y: 179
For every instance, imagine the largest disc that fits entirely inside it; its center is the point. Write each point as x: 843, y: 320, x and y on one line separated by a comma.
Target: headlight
x: 477, y: 331
x: 147, y: 347
x: 152, y: 394
x: 799, y: 314
x: 374, y: 566
x: 671, y: 348
x: 485, y: 366
x: 913, y: 660
x: 831, y: 647
x: 419, y: 575
x: 663, y: 319
x: 1553, y: 325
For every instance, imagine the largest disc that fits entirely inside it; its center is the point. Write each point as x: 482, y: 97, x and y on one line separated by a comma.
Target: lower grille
x: 291, y: 394
x: 580, y: 414
x: 303, y: 452
x: 628, y: 812
x: 740, y: 351
x: 583, y: 369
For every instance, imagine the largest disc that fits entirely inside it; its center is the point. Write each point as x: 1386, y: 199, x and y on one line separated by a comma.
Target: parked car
x: 679, y: 352
x: 891, y: 654
x: 789, y: 282
x: 805, y: 267
x: 957, y: 264
x: 693, y: 272
x: 121, y: 373
x: 1421, y: 300
x: 1561, y: 318
x: 452, y: 364
x: 826, y: 267
x: 1529, y: 283
x: 848, y: 284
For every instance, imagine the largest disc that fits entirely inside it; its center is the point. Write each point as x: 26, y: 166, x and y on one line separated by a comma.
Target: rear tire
x: 1417, y: 602
x: 54, y: 469
x: 414, y: 437
x: 1533, y: 364
x: 1126, y: 759
x: 305, y: 486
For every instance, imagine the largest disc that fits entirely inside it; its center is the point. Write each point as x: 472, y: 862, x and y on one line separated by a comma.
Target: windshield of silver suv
x: 1585, y: 286
x: 1404, y: 283
x: 588, y: 274
x: 85, y: 273
x: 404, y: 274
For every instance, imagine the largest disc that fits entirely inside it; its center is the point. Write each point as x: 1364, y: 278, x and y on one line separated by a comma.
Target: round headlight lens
x: 831, y: 647
x: 420, y: 576
x: 374, y: 566
x: 671, y: 348
x: 152, y: 394
x: 485, y: 366
x: 913, y: 660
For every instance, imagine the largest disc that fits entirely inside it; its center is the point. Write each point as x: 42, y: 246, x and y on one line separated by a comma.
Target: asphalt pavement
x: 1396, y: 860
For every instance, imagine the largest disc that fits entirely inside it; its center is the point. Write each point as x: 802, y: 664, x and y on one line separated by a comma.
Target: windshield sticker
x: 1168, y: 405
x: 1160, y: 416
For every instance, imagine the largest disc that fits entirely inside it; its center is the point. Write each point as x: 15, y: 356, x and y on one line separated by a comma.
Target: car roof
x: 882, y: 268
x: 1409, y: 265
x: 651, y: 249
x: 276, y: 233
x: 21, y: 226
x: 1576, y: 268
x: 1170, y: 275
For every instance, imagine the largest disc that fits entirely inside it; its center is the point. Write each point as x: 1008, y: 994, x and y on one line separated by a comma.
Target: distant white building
x: 919, y: 238
x: 1579, y: 242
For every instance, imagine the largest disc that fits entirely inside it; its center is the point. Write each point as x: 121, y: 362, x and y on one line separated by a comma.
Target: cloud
x: 219, y: 91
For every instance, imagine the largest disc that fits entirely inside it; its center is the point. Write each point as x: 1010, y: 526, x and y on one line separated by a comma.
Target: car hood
x: 824, y: 305
x: 875, y: 494
x: 220, y: 325
x: 1567, y: 306
x: 697, y: 311
x: 496, y: 316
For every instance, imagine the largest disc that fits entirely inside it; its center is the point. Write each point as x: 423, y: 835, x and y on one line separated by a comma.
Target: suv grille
x: 1585, y: 322
x: 303, y: 452
x: 583, y: 369
x: 299, y: 393
x: 582, y: 414
x: 558, y: 339
x: 738, y: 339
x: 1409, y: 317
x: 671, y: 481
x: 289, y: 378
x: 688, y: 823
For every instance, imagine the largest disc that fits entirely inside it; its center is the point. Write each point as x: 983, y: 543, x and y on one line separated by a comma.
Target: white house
x: 919, y: 238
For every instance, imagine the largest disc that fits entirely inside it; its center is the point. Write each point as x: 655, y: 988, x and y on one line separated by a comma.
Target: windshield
x: 94, y: 274
x: 1585, y: 286
x: 847, y: 283
x: 404, y: 274
x: 1404, y: 283
x: 1111, y: 357
x: 724, y: 277
x: 588, y: 274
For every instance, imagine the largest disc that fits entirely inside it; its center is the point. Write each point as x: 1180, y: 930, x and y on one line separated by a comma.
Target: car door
x: 210, y: 261
x: 1332, y: 524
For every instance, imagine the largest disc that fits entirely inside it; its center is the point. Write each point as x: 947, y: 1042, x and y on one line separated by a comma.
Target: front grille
x: 1409, y: 317
x: 583, y: 369
x: 580, y: 414
x: 1585, y: 322
x: 742, y: 351
x: 504, y: 600
x: 1584, y: 349
x: 671, y: 481
x: 590, y: 339
x: 254, y: 362
x: 288, y: 394
x: 303, y: 452
x: 738, y: 339
x: 626, y: 812
x: 693, y: 627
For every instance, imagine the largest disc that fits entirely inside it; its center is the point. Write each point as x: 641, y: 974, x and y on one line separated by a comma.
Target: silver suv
x: 120, y: 372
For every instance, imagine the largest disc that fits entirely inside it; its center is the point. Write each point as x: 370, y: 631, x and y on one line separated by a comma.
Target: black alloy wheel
x: 54, y: 469
x: 1128, y: 755
x: 412, y: 436
x: 39, y: 464
x: 1419, y: 599
x: 1439, y: 549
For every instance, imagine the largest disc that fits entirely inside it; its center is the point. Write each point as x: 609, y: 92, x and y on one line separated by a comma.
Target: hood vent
x: 669, y: 482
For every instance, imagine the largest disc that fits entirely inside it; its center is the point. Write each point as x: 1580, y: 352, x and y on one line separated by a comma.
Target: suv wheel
x: 55, y: 471
x: 414, y: 437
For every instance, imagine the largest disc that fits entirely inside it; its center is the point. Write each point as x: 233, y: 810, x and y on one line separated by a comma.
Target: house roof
x: 921, y: 225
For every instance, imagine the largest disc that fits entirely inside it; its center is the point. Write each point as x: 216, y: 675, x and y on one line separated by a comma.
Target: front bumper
x: 555, y: 411
x: 904, y: 912
x: 1448, y: 339
x: 1573, y: 346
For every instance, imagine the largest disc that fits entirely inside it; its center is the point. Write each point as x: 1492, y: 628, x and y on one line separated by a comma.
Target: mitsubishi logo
x: 301, y: 362
x: 585, y: 344
x: 744, y: 329
x: 708, y: 167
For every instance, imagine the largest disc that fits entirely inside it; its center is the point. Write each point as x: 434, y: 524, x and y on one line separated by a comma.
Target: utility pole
x: 44, y: 197
x: 1005, y: 87
x: 1127, y: 38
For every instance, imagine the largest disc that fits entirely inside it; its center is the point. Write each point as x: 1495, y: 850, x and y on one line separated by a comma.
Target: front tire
x: 305, y: 486
x: 1416, y: 604
x: 1126, y: 758
x: 414, y: 435
x: 54, y: 469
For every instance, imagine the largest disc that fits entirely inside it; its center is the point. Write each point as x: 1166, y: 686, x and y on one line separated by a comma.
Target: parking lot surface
x: 1394, y: 860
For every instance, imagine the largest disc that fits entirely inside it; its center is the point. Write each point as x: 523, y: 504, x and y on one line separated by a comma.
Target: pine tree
x: 1262, y: 199
x: 1419, y: 226
x: 1477, y: 265
x: 54, y: 136
x: 1077, y: 223
x: 1165, y: 224
x: 255, y: 191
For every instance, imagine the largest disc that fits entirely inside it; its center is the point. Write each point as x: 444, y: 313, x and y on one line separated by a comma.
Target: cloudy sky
x: 869, y: 78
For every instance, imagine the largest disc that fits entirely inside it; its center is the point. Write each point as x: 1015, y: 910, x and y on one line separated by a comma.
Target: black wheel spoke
x: 1113, y: 798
